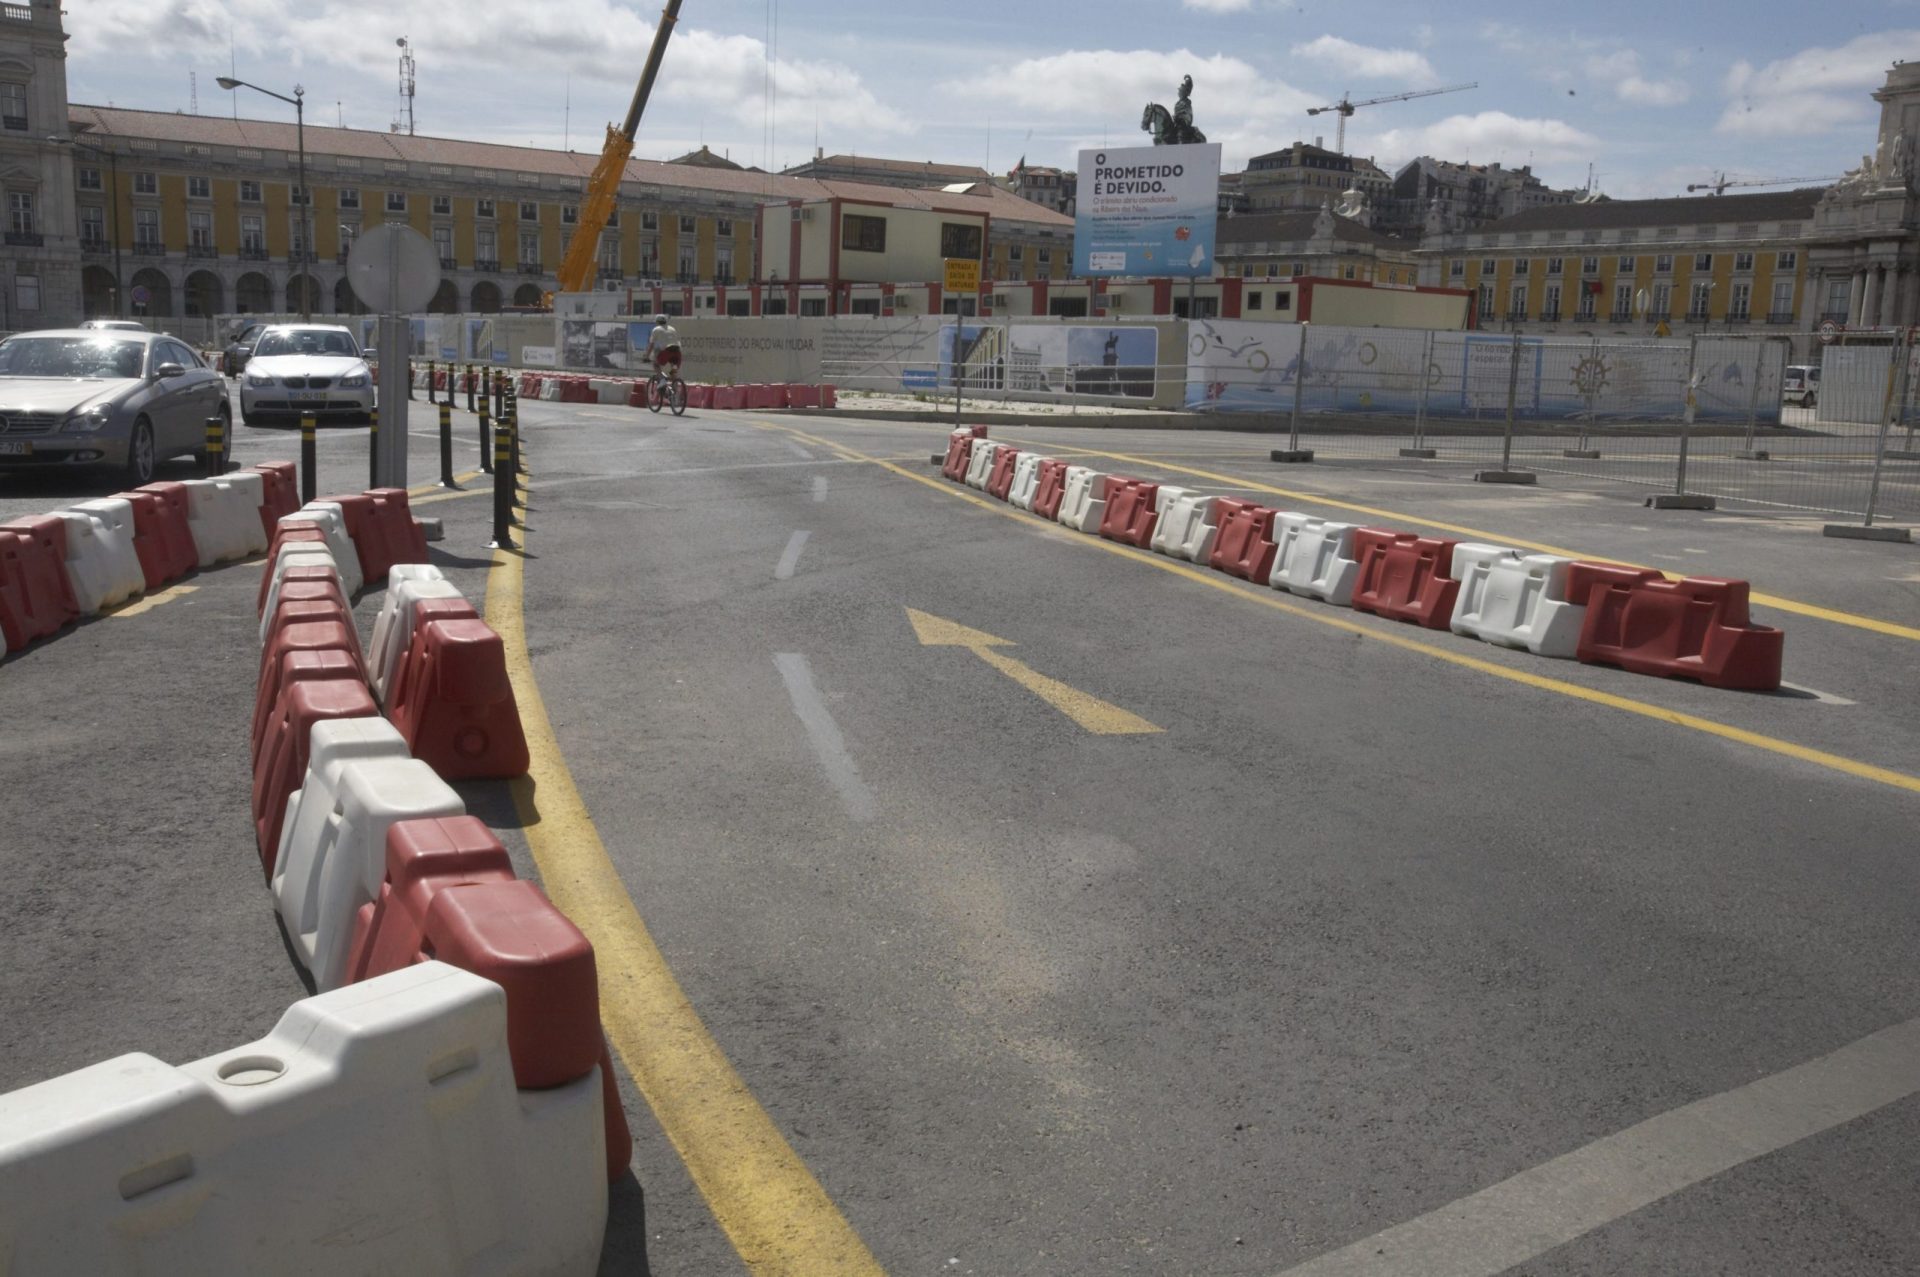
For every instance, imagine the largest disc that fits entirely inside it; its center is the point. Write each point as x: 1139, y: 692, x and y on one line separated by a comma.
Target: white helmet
x: 659, y: 319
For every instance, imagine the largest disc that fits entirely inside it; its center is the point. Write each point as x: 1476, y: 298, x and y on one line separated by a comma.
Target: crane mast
x: 603, y: 185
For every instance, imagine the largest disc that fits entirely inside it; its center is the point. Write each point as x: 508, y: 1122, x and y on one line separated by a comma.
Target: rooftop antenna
x: 405, y: 114
x: 193, y: 99
x: 566, y: 117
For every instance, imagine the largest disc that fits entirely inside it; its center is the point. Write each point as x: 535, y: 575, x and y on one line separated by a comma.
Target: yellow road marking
x: 150, y: 602
x: 1323, y: 616
x: 1243, y: 483
x: 434, y: 492
x: 775, y: 1213
x: 1090, y: 712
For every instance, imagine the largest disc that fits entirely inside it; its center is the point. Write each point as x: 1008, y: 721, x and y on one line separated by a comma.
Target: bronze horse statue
x: 1172, y: 128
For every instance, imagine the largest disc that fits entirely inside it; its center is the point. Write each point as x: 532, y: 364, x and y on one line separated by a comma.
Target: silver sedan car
x: 297, y: 369
x: 93, y: 397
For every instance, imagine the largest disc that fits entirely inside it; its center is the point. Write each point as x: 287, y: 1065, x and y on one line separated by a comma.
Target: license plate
x: 310, y: 396
x: 15, y: 448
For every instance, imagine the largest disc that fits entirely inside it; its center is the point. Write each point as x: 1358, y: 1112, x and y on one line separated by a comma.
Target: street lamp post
x: 113, y: 196
x: 306, y: 197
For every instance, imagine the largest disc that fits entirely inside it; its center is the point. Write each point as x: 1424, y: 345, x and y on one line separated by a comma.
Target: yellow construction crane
x: 1347, y: 108
x: 576, y: 271
x: 1721, y: 182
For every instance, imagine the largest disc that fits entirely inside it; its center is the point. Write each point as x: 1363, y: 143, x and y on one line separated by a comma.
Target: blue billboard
x: 1147, y: 210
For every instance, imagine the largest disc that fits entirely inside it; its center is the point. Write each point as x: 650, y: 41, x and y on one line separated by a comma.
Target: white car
x: 300, y: 369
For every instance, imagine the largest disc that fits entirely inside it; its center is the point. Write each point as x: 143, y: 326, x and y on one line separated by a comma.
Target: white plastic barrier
x: 550, y: 389
x: 980, y: 462
x: 1080, y: 508
x: 332, y: 744
x: 224, y: 515
x: 376, y: 1129
x: 1516, y: 601
x: 1026, y: 480
x: 1314, y: 557
x: 1186, y: 527
x: 326, y: 883
x: 393, y: 628
x: 609, y: 391
x: 101, y: 562
x: 306, y: 555
x: 332, y: 518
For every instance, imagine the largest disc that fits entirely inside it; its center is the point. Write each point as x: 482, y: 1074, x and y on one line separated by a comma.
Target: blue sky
x: 1653, y: 95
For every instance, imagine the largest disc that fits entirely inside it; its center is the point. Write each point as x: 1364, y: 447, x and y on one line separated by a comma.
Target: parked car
x: 234, y: 358
x: 1802, y: 385
x: 94, y: 397
x: 297, y: 369
x: 114, y: 325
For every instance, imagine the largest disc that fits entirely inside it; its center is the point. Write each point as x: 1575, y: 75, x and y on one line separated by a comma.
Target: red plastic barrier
x: 1584, y: 578
x: 171, y: 527
x: 453, y: 704
x: 154, y: 559
x: 829, y: 397
x: 298, y: 533
x: 1244, y: 546
x: 1130, y: 515
x: 637, y: 395
x: 761, y: 396
x: 699, y: 396
x: 293, y: 612
x: 326, y: 590
x: 1051, y: 490
x: 578, y: 390
x: 529, y: 386
x: 1000, y: 479
x: 280, y: 487
x: 1405, y: 577
x: 959, y: 455
x: 280, y: 762
x: 803, y: 396
x: 1697, y: 628
x: 36, y: 598
x: 405, y: 539
x: 367, y: 530
x: 423, y: 858
x: 297, y: 667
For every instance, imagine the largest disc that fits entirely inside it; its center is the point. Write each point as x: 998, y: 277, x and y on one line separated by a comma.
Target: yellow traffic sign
x: 963, y: 275
x: 1090, y: 712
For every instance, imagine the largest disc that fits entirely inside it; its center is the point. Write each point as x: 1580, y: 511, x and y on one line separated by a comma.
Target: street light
x: 306, y: 198
x: 113, y: 166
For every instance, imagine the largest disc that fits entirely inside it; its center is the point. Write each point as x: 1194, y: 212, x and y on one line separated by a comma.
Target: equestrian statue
x: 1173, y: 128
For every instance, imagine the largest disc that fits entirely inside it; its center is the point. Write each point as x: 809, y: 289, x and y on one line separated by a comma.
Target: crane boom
x: 1722, y: 182
x: 1345, y: 107
x: 603, y: 185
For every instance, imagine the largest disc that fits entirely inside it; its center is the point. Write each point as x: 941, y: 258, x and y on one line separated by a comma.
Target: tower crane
x: 1721, y: 182
x: 1347, y: 107
x: 576, y: 270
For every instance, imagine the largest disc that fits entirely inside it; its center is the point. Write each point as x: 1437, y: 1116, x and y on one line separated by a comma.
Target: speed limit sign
x: 1828, y: 331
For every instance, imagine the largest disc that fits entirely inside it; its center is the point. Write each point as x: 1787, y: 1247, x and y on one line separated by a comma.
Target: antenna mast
x: 405, y: 114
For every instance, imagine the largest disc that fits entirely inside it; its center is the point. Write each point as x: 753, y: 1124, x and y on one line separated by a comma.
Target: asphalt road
x: 1357, y: 937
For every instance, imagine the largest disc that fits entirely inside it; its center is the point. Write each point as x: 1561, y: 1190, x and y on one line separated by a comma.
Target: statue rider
x: 1182, y: 130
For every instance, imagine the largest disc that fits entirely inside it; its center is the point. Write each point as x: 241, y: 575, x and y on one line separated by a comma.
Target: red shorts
x: 668, y: 358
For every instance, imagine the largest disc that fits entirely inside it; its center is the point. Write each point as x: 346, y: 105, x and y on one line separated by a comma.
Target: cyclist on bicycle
x: 663, y: 346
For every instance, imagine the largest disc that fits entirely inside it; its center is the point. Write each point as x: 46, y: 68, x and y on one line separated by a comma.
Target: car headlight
x: 356, y: 381
x: 89, y: 420
x: 259, y: 381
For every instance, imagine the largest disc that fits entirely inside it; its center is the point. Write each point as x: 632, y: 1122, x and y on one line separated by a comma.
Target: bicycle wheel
x: 653, y: 394
x: 678, y: 390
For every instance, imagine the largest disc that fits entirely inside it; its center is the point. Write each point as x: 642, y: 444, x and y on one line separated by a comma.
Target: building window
x: 1781, y: 310
x: 297, y: 238
x: 486, y: 248
x: 483, y: 208
x: 610, y: 254
x: 724, y: 228
x: 1254, y: 300
x: 1740, y: 305
x: 1698, y: 300
x: 959, y: 240
x: 249, y: 192
x: 253, y: 238
x: 1555, y: 265
x: 1786, y: 261
x: 1299, y: 268
x: 1550, y: 302
x: 146, y: 228
x: 93, y: 226
x: 687, y: 268
x: 145, y: 184
x: 443, y: 245
x: 1522, y: 265
x: 1043, y: 256
x: 443, y: 205
x: 1662, y: 301
x: 1486, y: 300
x: 1743, y: 261
x: 13, y: 108
x: 349, y: 197
x: 200, y: 229
x: 650, y: 221
x: 529, y: 211
x: 529, y: 248
x: 1517, y: 302
x: 87, y: 179
x: 26, y: 291
x: 20, y: 212
x: 199, y: 188
x: 1663, y: 264
x: 1624, y: 265
x: 1703, y: 261
x: 1457, y: 270
x: 1589, y: 298
x: 349, y: 232
x: 1282, y: 300
x: 1622, y: 301
x: 723, y: 266
x: 862, y: 234
x: 396, y: 201
x: 1347, y: 271
x: 1589, y: 265
x: 569, y: 214
x: 686, y: 225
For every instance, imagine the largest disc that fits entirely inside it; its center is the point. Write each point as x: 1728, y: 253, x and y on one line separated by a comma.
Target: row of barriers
x: 631, y: 392
x: 1600, y: 613
x: 446, y: 1102
x: 94, y: 556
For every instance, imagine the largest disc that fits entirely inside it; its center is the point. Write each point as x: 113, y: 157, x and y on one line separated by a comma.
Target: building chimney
x: 1320, y: 140
x: 819, y: 153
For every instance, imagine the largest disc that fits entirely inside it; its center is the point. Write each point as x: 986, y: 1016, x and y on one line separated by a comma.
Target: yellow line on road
x: 1243, y: 483
x: 1092, y: 713
x: 1329, y: 617
x: 773, y: 1210
x: 434, y: 492
x: 150, y: 602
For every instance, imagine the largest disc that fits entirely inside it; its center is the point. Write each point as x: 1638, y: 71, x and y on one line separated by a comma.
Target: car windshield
x: 90, y: 356
x: 304, y: 341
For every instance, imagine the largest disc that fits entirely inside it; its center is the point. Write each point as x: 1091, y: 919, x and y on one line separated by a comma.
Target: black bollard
x: 471, y: 380
x: 502, y: 488
x: 373, y: 448
x: 446, y: 445
x: 216, y: 446
x: 309, y: 458
x: 486, y: 440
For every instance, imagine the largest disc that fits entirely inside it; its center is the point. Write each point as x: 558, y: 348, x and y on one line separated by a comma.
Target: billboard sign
x: 1147, y: 210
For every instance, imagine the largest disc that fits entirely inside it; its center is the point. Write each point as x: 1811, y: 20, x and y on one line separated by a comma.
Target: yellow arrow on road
x: 1090, y: 712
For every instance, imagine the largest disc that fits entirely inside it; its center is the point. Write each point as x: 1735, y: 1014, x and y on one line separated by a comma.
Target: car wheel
x: 1810, y: 401
x: 140, y: 454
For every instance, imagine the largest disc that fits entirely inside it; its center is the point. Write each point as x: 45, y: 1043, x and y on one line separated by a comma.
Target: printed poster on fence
x: 1147, y: 210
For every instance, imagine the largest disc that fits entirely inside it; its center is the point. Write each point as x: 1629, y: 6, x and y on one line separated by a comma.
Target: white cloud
x: 1367, y: 62
x: 1486, y: 137
x: 1620, y: 71
x: 1219, y: 6
x: 1812, y: 91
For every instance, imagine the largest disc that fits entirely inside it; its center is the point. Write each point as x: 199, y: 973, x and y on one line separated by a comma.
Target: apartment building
x: 1432, y: 196
x: 1322, y: 245
x: 1308, y: 175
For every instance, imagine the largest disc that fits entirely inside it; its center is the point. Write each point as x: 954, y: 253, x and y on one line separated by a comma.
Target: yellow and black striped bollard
x: 486, y: 439
x: 503, y: 487
x: 216, y: 446
x: 309, y: 458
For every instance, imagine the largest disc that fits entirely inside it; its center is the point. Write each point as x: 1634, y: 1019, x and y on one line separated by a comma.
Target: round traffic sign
x: 393, y: 269
x: 140, y: 295
x: 1828, y: 331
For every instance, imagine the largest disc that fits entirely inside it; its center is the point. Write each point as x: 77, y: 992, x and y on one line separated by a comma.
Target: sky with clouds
x: 1652, y: 95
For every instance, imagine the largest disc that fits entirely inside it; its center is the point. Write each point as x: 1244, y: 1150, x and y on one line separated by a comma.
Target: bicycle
x: 665, y: 391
